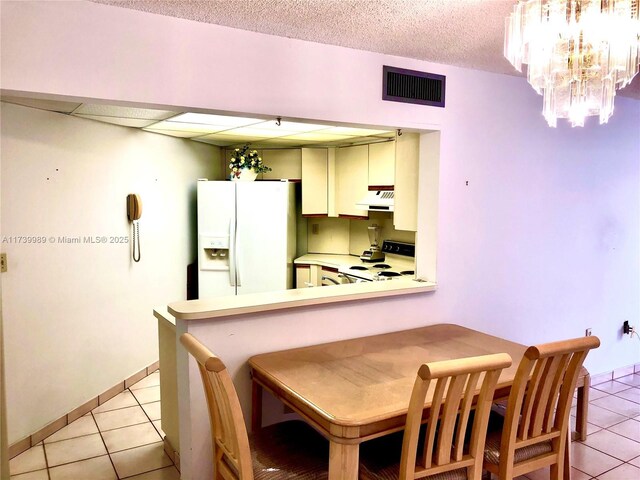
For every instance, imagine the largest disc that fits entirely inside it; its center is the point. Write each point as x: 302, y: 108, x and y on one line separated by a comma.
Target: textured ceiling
x: 466, y: 33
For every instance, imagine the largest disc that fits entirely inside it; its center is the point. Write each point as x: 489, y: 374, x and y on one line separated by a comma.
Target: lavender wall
x: 542, y: 243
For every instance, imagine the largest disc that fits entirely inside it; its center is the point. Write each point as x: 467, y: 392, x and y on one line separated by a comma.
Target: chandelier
x: 578, y: 53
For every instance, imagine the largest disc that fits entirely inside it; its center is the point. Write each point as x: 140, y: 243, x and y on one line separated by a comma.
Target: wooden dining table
x: 355, y: 390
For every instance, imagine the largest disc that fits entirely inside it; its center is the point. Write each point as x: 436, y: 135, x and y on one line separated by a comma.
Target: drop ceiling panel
x: 208, y: 119
x: 123, y: 112
x: 172, y: 133
x: 125, y: 122
x: 219, y: 143
x: 318, y: 137
x: 230, y: 138
x: 290, y: 126
x: 349, y: 131
x: 197, y: 128
x: 50, y: 105
x: 257, y: 132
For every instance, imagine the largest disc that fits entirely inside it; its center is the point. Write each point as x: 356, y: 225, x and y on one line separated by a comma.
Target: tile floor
x: 122, y: 438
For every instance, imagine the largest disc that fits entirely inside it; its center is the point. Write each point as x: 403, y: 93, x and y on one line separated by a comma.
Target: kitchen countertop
x: 283, y: 299
x: 328, y: 260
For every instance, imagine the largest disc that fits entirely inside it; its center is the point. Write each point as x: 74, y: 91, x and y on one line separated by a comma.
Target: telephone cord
x: 136, y: 240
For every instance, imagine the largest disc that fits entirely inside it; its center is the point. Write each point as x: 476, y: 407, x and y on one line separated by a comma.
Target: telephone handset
x: 134, y: 207
x: 134, y: 212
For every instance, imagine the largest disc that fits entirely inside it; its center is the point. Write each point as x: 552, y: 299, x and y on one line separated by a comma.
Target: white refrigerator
x: 246, y: 237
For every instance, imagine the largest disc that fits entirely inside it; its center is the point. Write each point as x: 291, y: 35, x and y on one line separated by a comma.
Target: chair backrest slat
x: 448, y: 419
x: 540, y: 402
x: 465, y: 411
x: 456, y: 386
x: 230, y: 442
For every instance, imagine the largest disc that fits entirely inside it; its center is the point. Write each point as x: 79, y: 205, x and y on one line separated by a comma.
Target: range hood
x: 377, y: 201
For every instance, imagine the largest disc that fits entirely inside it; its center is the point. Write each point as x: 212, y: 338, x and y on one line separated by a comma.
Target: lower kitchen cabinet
x: 303, y: 276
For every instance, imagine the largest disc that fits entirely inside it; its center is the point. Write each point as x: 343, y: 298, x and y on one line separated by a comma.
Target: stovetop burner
x: 381, y: 265
x: 358, y: 267
x: 388, y: 274
x: 408, y: 272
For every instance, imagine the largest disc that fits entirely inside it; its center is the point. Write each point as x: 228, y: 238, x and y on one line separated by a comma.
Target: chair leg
x: 582, y: 407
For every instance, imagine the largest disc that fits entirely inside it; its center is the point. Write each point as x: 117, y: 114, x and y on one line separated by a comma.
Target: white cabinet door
x: 352, y: 165
x: 382, y: 164
x: 303, y: 276
x: 405, y: 215
x: 315, y: 184
x: 285, y: 164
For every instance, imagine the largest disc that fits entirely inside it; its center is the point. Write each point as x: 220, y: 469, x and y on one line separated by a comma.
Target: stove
x: 398, y: 263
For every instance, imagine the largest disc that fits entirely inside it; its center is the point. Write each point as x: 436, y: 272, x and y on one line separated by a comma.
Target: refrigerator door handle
x: 238, y: 263
x: 232, y: 253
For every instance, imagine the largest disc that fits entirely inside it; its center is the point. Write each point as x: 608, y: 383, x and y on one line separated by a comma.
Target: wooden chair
x: 441, y: 454
x: 534, y: 430
x: 289, y: 450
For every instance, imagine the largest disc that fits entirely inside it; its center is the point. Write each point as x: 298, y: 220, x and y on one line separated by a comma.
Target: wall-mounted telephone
x: 134, y: 207
x: 134, y: 212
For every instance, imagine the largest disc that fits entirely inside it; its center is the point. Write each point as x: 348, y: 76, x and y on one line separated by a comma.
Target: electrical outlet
x: 3, y: 262
x: 315, y: 228
x: 626, y: 329
x: 587, y: 332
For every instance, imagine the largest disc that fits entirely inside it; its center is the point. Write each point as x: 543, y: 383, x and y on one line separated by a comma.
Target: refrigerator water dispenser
x: 215, y: 255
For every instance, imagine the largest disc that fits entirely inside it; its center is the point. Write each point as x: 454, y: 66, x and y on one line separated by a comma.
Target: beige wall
x: 78, y: 317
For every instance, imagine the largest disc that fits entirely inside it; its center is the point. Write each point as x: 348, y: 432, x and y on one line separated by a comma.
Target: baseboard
x: 615, y: 373
x: 172, y: 453
x: 26, y: 443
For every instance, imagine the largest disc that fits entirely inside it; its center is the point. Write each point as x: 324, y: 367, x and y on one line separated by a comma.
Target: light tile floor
x: 122, y: 438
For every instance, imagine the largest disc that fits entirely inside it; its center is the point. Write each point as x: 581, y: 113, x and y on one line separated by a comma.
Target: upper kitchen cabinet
x: 285, y: 163
x: 405, y: 215
x: 382, y: 159
x: 315, y: 181
x: 352, y: 166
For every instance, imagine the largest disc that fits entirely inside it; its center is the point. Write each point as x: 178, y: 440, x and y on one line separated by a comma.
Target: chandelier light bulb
x: 578, y: 53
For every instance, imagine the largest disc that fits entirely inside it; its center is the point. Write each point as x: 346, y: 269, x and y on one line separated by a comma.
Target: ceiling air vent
x: 410, y: 86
